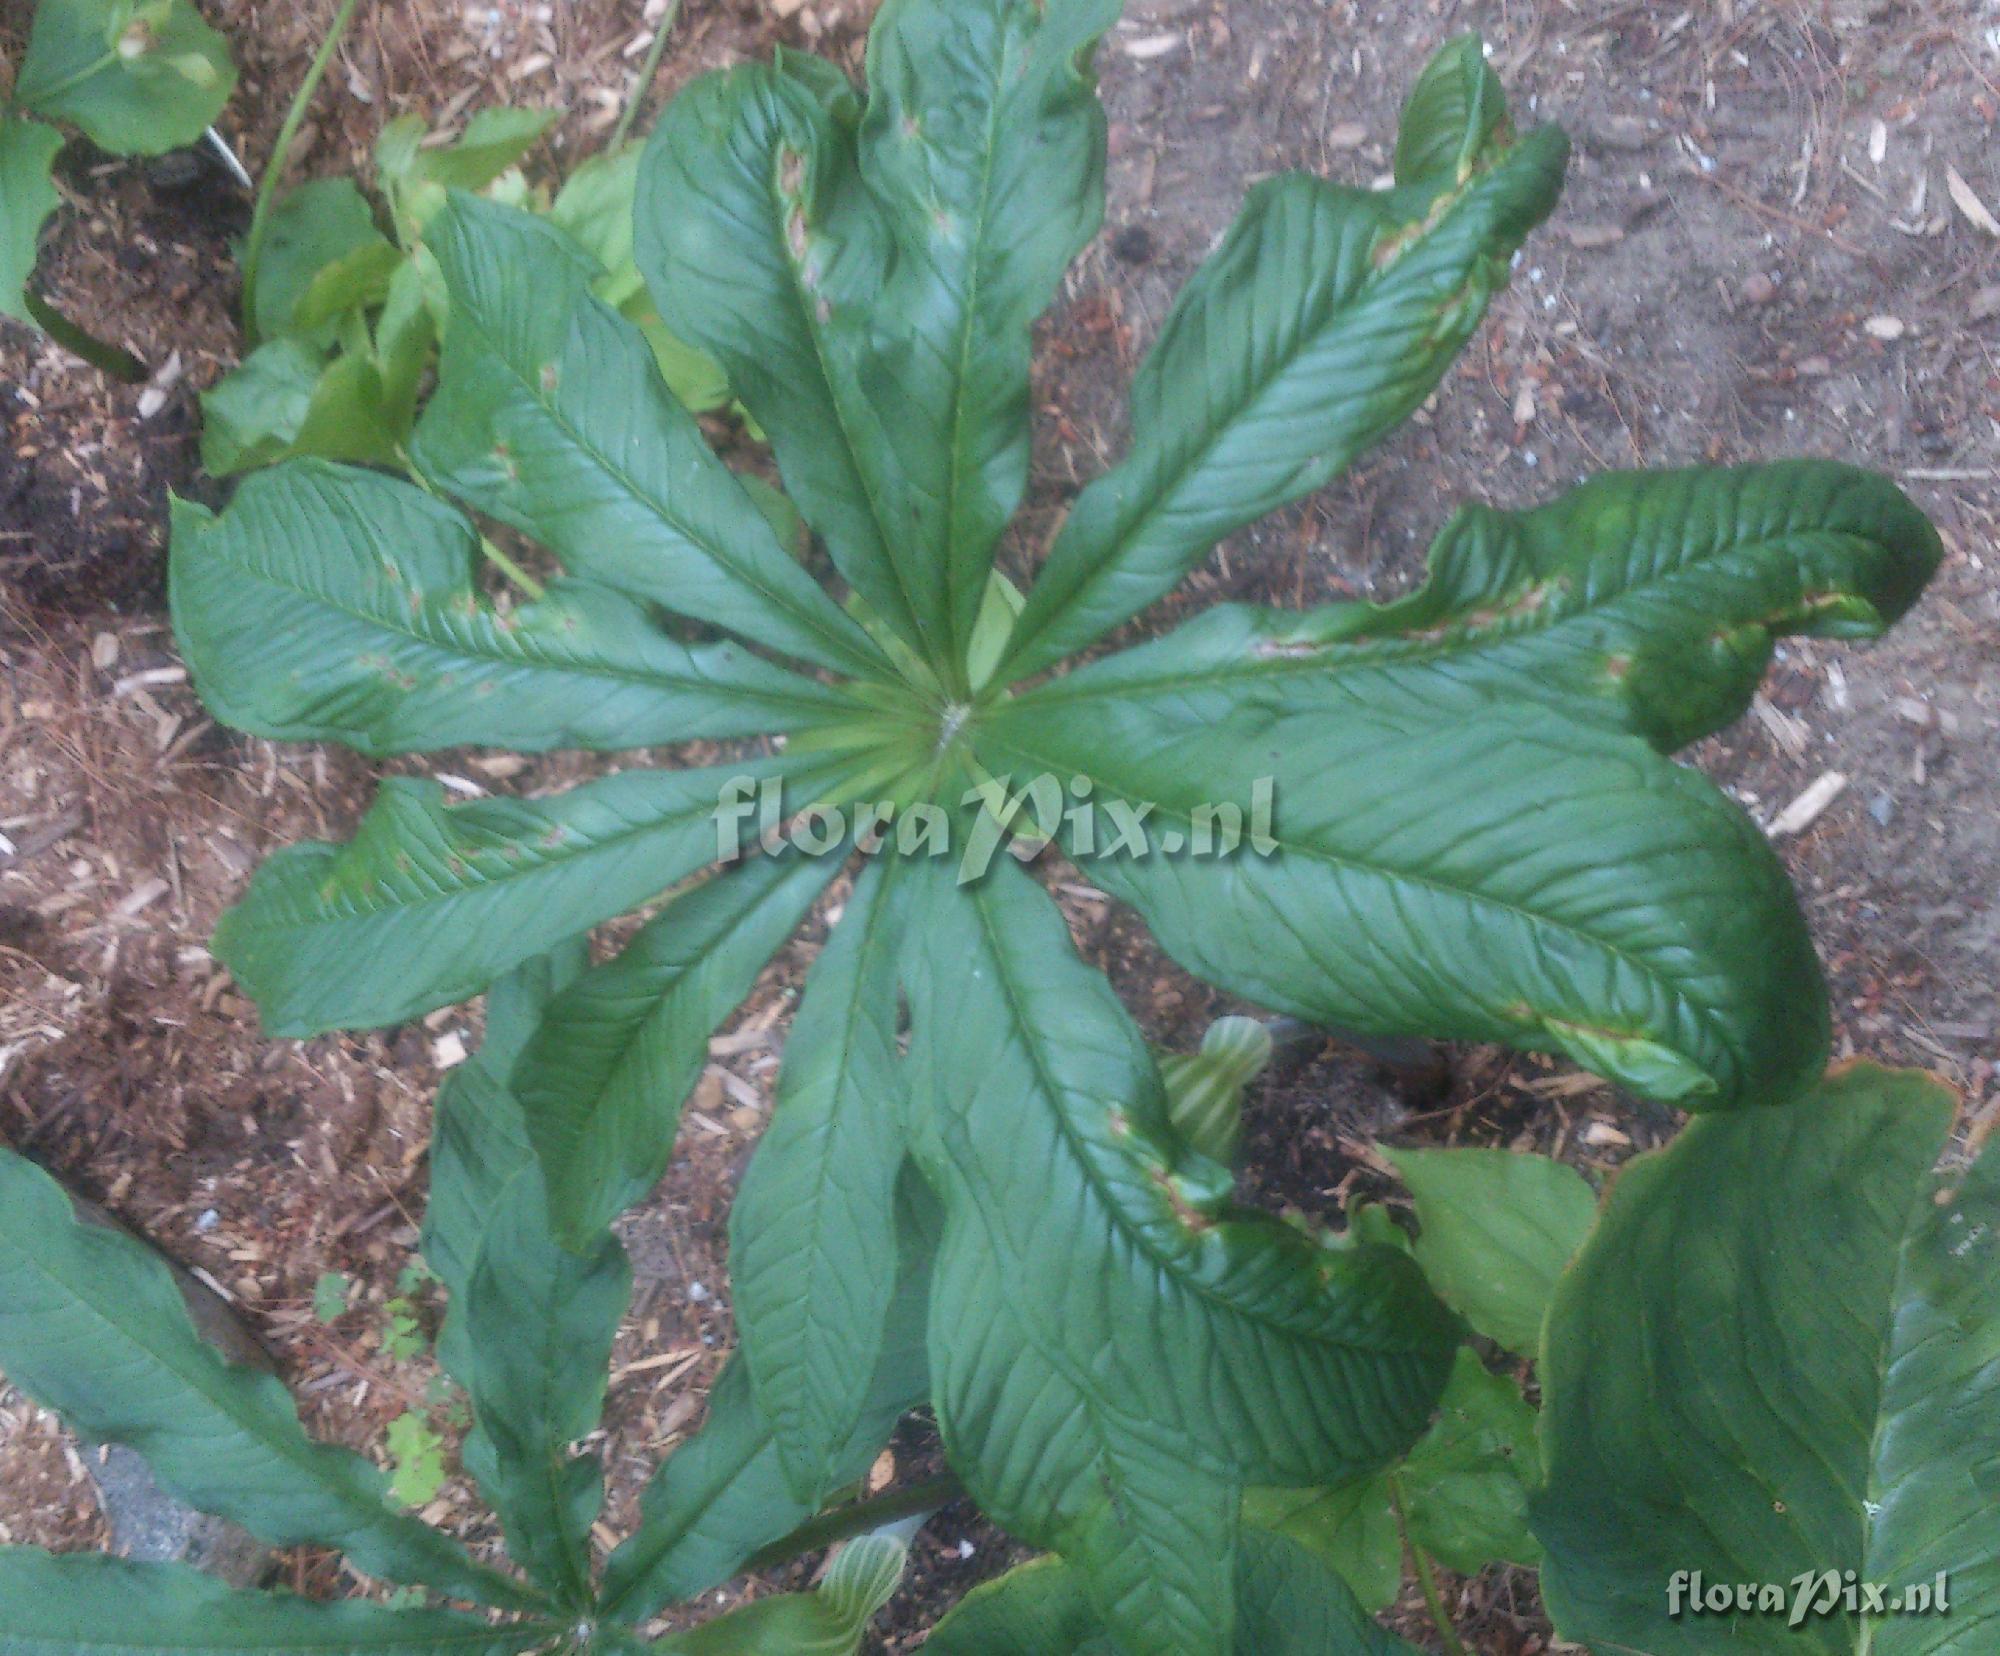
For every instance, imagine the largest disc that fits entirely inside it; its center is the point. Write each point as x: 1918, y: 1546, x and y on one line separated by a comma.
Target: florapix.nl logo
x: 995, y: 812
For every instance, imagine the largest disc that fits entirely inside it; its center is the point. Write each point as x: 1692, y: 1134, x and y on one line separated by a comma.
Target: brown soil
x: 1755, y: 184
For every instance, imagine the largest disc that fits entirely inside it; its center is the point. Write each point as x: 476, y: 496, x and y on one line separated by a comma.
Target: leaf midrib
x: 854, y: 658
x: 1340, y: 309
x: 1355, y: 864
x: 285, y: 1447
x: 486, y: 649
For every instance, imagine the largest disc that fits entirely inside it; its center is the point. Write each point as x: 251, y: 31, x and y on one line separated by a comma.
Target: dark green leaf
x: 332, y: 604
x: 86, y: 1604
x: 1289, y: 1604
x: 1497, y: 1230
x: 139, y: 76
x: 762, y: 247
x: 457, y: 894
x: 1776, y: 1355
x: 983, y: 146
x: 1325, y: 318
x: 92, y: 1325
x: 602, y: 1081
x: 812, y: 1250
x: 1642, y: 601
x: 539, y: 1321
x: 27, y: 198
x: 479, y: 1142
x: 1504, y: 875
x: 551, y: 416
x: 313, y: 230
x: 1114, y: 1350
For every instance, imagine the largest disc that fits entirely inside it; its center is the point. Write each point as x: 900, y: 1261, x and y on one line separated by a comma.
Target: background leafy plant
x: 344, y: 303
x: 138, y: 77
x: 92, y: 1325
x: 974, y: 1154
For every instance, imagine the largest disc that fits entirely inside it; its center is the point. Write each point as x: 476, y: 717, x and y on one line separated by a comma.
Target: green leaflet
x: 829, y: 1621
x: 1775, y: 1355
x: 27, y: 198
x: 724, y: 1493
x: 529, y: 1325
x: 1641, y: 601
x: 1290, y: 1604
x: 479, y: 1143
x: 1599, y: 900
x: 454, y: 895
x: 761, y: 247
x: 602, y: 1080
x: 1113, y: 1348
x: 812, y: 1232
x: 139, y: 76
x: 1497, y: 1230
x: 983, y: 146
x: 551, y: 416
x: 539, y: 1323
x: 92, y: 1325
x: 329, y: 604
x: 76, y: 1603
x: 1322, y: 322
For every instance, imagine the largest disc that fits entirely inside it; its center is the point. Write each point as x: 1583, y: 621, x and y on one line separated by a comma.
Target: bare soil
x: 1759, y: 254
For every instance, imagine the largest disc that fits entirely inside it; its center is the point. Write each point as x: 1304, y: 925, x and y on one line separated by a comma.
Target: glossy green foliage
x: 137, y: 76
x: 27, y: 198
x: 1496, y: 1231
x: 348, y: 305
x: 1448, y: 817
x: 1777, y: 1355
x: 93, y: 1326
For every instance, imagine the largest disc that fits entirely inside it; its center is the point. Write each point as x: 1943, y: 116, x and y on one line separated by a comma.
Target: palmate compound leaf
x: 1641, y: 601
x: 551, y: 415
x: 1323, y: 321
x: 1114, y: 1349
x: 1503, y: 875
x: 1777, y: 1354
x: 139, y: 76
x: 75, y: 1604
x: 92, y: 1325
x: 1288, y: 1604
x: 455, y: 895
x: 868, y: 282
x: 332, y: 604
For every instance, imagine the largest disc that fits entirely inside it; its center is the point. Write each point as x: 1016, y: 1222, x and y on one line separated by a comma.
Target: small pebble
x: 1882, y: 808
x: 1758, y: 289
x: 1133, y: 244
